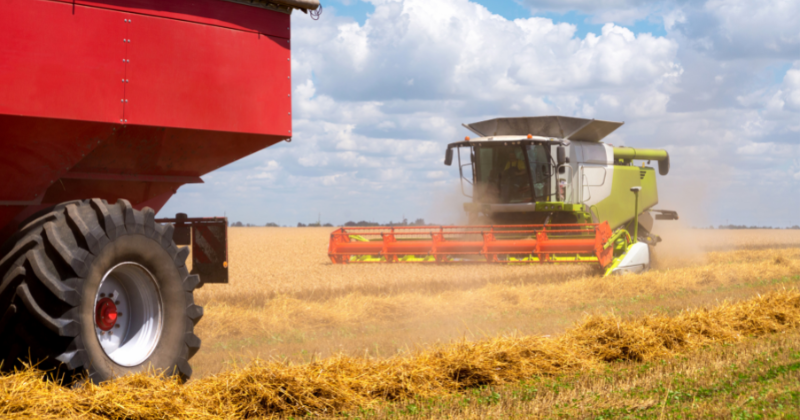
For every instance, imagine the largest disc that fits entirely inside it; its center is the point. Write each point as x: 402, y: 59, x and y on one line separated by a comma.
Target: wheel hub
x: 105, y: 314
x: 128, y: 314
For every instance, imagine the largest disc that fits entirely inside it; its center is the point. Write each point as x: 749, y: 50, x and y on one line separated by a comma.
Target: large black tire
x: 51, y: 274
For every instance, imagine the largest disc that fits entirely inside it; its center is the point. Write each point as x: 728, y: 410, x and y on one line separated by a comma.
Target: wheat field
x: 294, y: 334
x: 286, y: 300
x: 270, y: 262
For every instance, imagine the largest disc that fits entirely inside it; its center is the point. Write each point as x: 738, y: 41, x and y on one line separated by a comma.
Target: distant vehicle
x: 544, y: 190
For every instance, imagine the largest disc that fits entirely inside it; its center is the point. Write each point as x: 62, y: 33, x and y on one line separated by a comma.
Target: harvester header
x: 580, y: 243
x: 542, y: 190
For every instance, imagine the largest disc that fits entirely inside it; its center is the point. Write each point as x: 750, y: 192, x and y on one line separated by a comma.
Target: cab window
x: 502, y: 174
x: 539, y: 162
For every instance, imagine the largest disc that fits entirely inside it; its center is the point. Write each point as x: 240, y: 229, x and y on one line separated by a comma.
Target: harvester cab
x: 545, y: 170
x: 543, y: 190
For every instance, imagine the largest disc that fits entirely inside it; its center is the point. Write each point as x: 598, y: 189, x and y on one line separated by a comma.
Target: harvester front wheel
x: 98, y: 290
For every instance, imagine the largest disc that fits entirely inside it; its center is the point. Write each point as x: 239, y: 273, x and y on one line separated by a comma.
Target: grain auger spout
x: 544, y: 190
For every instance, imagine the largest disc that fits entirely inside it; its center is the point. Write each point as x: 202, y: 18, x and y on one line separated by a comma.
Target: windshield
x: 538, y: 159
x: 501, y: 175
x: 504, y: 174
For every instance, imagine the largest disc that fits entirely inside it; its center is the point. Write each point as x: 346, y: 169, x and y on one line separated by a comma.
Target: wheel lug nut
x: 116, y: 326
x: 102, y: 295
x: 119, y: 314
x: 116, y: 302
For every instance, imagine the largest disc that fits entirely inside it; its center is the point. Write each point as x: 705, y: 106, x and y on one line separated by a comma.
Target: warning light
x: 225, y: 264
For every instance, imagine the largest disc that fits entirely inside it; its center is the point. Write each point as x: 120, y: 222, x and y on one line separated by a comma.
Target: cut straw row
x: 342, y: 383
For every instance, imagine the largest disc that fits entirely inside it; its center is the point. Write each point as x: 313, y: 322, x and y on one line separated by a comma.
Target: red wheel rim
x: 105, y: 314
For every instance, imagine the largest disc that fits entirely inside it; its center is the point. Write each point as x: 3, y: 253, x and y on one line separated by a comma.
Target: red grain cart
x: 124, y: 101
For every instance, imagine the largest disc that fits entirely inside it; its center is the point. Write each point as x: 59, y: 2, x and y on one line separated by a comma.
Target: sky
x: 381, y: 87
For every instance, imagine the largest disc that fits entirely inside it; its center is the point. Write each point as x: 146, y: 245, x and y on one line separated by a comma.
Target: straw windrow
x: 341, y: 383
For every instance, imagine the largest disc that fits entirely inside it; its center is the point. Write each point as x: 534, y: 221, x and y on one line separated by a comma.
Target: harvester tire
x: 97, y: 291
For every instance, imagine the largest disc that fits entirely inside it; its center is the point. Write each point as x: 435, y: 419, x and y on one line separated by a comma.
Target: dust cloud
x: 448, y: 207
x: 681, y: 246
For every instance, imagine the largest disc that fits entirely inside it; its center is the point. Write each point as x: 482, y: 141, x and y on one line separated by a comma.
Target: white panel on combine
x: 595, y: 183
x: 609, y: 154
x: 595, y: 173
x: 595, y: 153
x: 637, y: 260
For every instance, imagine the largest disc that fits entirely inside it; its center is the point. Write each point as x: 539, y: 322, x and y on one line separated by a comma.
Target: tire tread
x: 64, y: 328
x: 66, y: 240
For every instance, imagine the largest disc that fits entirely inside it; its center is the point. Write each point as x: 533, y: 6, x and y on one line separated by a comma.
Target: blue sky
x: 381, y: 86
x: 359, y: 11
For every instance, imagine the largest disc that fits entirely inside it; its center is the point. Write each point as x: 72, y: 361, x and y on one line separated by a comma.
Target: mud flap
x: 208, y: 237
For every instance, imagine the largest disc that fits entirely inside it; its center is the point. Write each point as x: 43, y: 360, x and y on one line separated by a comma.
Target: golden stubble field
x: 294, y: 335
x: 286, y: 301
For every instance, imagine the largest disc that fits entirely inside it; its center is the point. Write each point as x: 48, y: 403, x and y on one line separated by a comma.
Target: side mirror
x: 561, y: 155
x: 448, y: 157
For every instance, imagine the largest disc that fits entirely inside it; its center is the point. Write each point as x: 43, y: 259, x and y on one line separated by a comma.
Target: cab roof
x: 559, y: 127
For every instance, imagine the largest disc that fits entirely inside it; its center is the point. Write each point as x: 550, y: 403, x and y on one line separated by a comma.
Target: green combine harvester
x: 543, y: 190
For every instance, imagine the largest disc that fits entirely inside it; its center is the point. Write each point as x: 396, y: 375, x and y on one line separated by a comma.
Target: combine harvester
x: 107, y: 107
x: 544, y: 190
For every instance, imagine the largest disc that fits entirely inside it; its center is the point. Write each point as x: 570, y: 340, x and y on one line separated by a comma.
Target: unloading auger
x: 544, y: 190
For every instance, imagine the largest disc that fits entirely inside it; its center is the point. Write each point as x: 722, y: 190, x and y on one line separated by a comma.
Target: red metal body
x: 133, y: 98
x: 493, y: 244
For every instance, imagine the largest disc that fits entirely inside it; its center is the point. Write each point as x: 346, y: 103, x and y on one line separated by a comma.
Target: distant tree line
x: 418, y: 222
x: 421, y: 222
x: 748, y: 227
x: 363, y: 223
x: 240, y: 224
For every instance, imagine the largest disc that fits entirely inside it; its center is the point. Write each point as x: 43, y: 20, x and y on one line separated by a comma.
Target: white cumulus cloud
x: 375, y: 104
